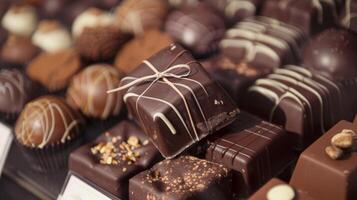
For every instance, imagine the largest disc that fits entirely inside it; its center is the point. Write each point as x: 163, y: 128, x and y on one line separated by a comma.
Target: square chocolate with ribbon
x: 175, y: 101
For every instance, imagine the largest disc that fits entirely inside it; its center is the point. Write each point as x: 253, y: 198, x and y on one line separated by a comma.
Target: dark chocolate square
x: 183, y: 178
x: 180, y: 107
x: 114, y: 178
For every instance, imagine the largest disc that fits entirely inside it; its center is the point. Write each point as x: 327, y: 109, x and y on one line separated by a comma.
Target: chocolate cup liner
x: 51, y: 158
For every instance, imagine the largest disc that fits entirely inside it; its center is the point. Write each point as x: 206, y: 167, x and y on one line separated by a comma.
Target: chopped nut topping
x: 343, y: 139
x: 334, y: 152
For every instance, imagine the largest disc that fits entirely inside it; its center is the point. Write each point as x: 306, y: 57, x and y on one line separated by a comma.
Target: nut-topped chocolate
x: 20, y: 20
x: 182, y: 178
x: 136, y: 16
x: 88, y: 91
x: 47, y: 121
x: 116, y: 156
x: 51, y: 36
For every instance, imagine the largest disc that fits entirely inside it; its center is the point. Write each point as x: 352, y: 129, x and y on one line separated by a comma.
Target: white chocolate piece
x: 52, y: 40
x: 91, y: 18
x: 20, y: 20
x: 281, y: 192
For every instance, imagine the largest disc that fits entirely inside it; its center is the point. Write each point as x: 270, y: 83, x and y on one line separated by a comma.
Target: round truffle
x: 198, y: 28
x: 51, y: 36
x: 54, y: 70
x: 333, y: 53
x: 20, y: 20
x: 97, y: 38
x: 47, y: 121
x: 88, y: 91
x: 144, y: 47
x: 19, y: 50
x: 15, y: 91
x: 136, y: 16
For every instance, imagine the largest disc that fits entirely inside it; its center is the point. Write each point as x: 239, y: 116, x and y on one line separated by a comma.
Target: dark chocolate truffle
x: 182, y: 178
x: 18, y: 50
x: 136, y: 16
x: 333, y: 53
x: 47, y: 121
x: 197, y: 28
x: 88, y: 91
x: 54, y: 70
x: 115, y: 157
x: 140, y: 48
x: 15, y: 91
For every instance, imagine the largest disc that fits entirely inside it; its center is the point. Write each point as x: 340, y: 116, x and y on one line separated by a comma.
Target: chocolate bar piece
x: 198, y: 28
x: 312, y: 16
x: 234, y: 76
x: 254, y: 149
x: 305, y: 103
x: 114, y: 158
x: 175, y: 101
x: 278, y: 189
x: 349, y: 15
x: 263, y: 42
x: 183, y: 178
x: 323, y: 177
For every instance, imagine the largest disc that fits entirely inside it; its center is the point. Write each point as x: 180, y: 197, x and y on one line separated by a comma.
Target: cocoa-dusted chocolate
x: 144, y: 47
x: 46, y: 121
x: 18, y: 50
x: 88, y: 91
x: 175, y: 101
x: 198, y: 28
x: 332, y: 53
x: 116, y: 156
x: 137, y: 16
x: 54, y: 70
x: 310, y: 16
x: 20, y: 20
x: 254, y: 149
x: 51, y: 36
x: 96, y: 37
x: 182, y: 178
x: 322, y: 177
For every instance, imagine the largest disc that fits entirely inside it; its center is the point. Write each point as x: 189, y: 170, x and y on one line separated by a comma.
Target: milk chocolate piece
x: 112, y: 172
x: 310, y: 16
x: 333, y: 53
x: 349, y: 18
x: 302, y: 101
x: 254, y: 149
x: 322, y: 177
x: 182, y: 178
x: 176, y: 102
x: 198, y: 28
x: 263, y: 192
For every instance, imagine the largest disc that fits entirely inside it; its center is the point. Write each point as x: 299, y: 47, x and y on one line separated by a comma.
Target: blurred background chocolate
x: 197, y: 28
x: 53, y: 8
x: 310, y: 16
x: 333, y: 53
x: 18, y: 50
x: 136, y: 16
x: 20, y: 20
x: 88, y: 91
x: 144, y: 47
x: 75, y: 8
x: 349, y: 15
x: 54, y: 70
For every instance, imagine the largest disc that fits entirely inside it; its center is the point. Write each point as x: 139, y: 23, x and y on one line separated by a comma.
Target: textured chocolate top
x: 88, y: 91
x: 112, y: 159
x: 45, y: 121
x: 181, y: 178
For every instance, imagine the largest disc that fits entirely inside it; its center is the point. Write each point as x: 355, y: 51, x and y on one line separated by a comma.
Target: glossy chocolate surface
x: 254, y: 149
x: 182, y: 178
x: 110, y: 177
x: 310, y: 16
x: 333, y: 53
x: 325, y: 178
x: 181, y: 106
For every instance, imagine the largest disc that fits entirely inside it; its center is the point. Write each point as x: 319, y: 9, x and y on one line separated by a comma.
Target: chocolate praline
x: 88, y: 91
x: 333, y: 53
